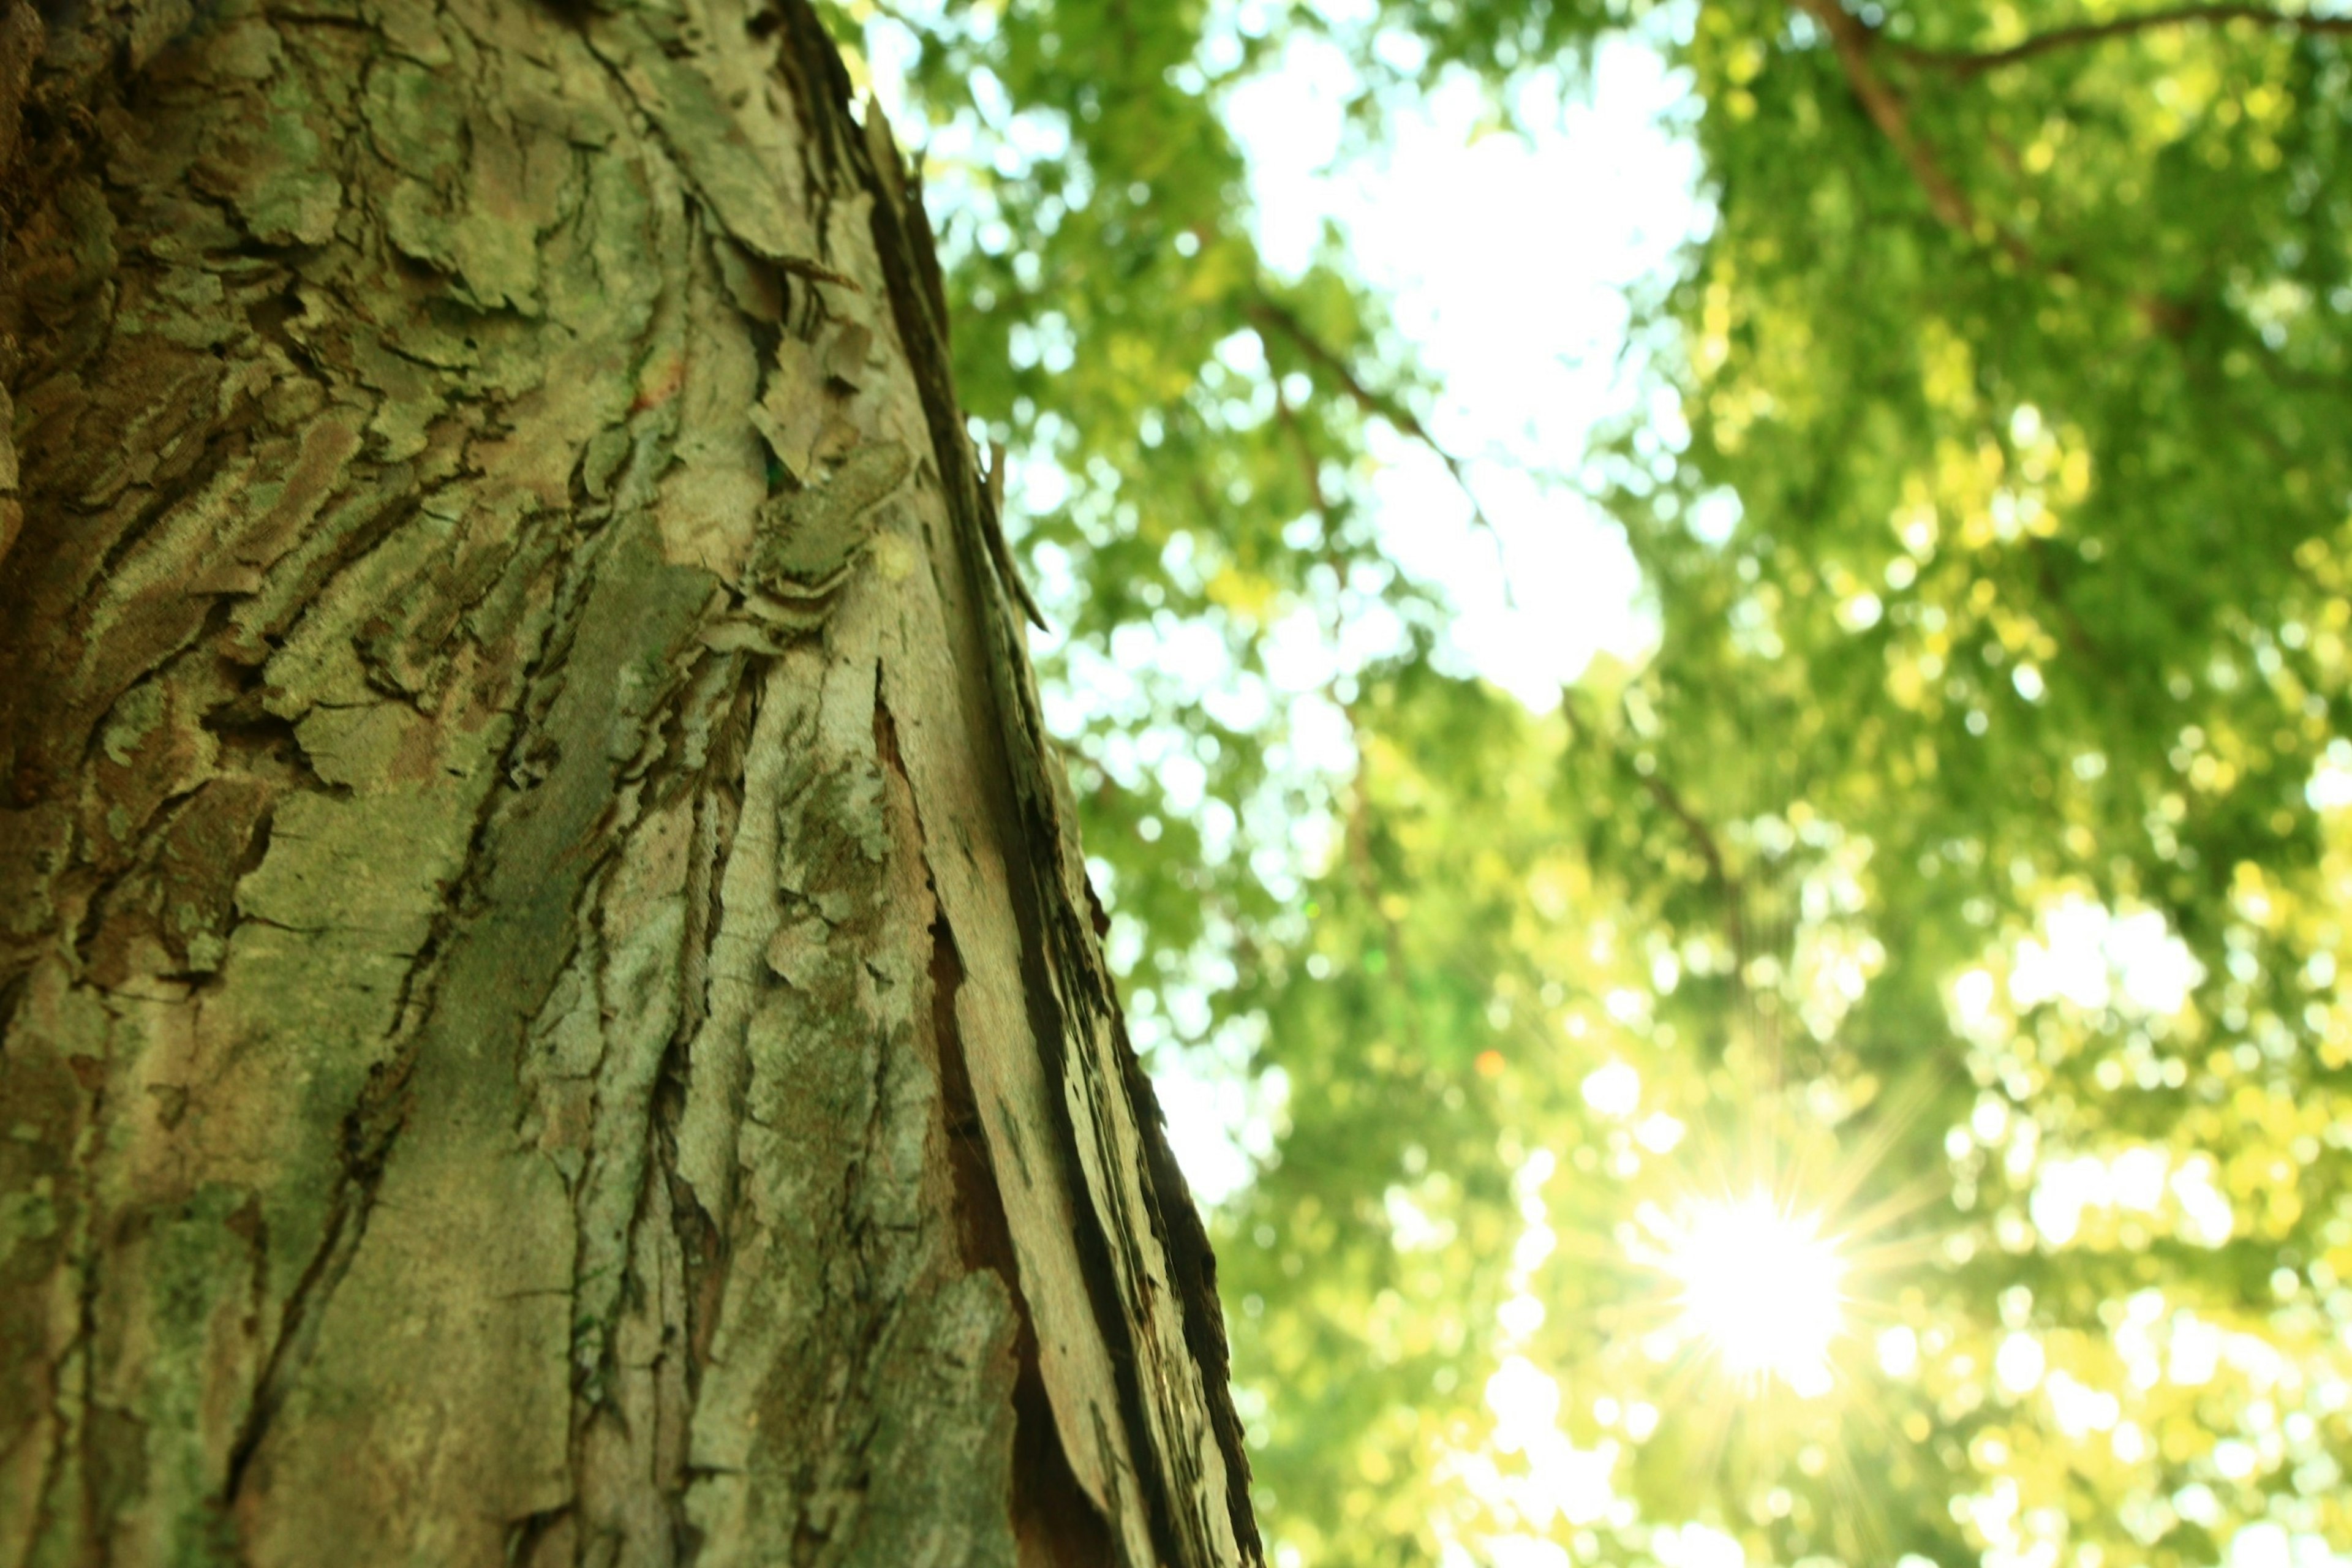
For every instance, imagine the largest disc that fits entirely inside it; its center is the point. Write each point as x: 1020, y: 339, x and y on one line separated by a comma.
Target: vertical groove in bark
x: 547, y: 1012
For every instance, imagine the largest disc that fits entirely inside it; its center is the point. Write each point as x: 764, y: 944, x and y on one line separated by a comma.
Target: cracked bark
x: 516, y: 1045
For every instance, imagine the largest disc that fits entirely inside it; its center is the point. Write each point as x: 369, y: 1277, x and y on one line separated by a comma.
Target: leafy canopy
x: 1968, y: 868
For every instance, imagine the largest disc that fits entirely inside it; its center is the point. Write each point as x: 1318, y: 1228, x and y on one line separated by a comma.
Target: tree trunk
x: 549, y: 1010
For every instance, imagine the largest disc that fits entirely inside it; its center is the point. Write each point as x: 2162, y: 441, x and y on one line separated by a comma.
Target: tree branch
x: 1969, y: 63
x: 1267, y: 313
x: 1853, y: 39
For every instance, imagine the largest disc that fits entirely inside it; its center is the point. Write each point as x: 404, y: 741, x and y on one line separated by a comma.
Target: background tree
x: 548, y: 1007
x: 1968, y: 864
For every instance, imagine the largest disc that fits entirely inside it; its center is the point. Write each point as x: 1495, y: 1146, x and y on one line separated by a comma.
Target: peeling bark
x: 549, y: 1010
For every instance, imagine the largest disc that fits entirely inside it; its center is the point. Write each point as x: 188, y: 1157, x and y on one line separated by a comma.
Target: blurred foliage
x: 1971, y: 864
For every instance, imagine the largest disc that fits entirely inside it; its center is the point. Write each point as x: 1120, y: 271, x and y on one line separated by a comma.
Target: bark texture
x: 548, y: 1009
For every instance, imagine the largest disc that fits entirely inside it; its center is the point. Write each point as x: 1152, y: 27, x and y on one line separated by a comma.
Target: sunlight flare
x: 1760, y: 1288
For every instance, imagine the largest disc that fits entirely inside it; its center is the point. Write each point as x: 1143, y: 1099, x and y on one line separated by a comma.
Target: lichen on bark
x: 524, y: 1037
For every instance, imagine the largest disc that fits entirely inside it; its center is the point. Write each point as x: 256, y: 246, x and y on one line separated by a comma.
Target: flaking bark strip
x: 1053, y: 1521
x: 919, y: 328
x: 1184, y: 1534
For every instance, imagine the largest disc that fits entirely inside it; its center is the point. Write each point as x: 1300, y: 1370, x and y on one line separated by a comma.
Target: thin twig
x: 1969, y: 63
x: 1719, y: 875
x: 1268, y: 313
x: 1717, y: 871
x: 1288, y: 417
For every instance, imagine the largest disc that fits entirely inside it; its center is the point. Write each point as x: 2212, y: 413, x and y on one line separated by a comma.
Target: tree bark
x: 549, y: 1009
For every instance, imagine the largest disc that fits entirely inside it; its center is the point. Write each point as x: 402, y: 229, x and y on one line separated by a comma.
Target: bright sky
x: 1506, y: 259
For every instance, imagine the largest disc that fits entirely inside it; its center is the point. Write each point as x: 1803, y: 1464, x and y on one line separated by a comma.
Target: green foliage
x: 2000, y: 565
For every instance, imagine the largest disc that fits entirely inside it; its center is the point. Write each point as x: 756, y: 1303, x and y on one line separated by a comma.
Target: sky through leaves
x: 1705, y: 645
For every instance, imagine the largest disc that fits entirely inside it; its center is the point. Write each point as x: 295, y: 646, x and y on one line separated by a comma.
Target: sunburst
x: 1762, y: 1288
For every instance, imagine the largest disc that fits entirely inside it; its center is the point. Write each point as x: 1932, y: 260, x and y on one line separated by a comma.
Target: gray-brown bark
x: 549, y: 1010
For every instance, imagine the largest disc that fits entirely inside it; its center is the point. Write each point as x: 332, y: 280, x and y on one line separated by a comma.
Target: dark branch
x: 1969, y: 63
x: 1855, y: 42
x: 1853, y: 39
x: 1267, y: 314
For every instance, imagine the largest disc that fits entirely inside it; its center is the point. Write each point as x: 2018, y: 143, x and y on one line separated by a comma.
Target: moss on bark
x: 524, y: 1037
